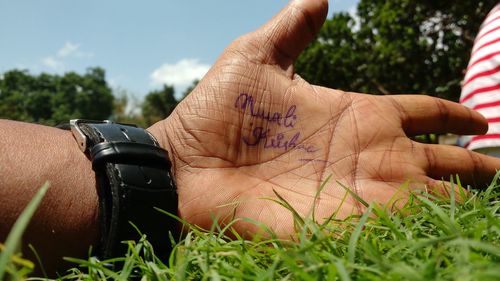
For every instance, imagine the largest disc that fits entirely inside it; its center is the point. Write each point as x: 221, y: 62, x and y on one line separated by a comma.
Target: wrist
x: 66, y: 222
x: 134, y: 178
x: 160, y: 133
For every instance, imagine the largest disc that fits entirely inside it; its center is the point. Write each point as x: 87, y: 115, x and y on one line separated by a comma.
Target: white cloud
x: 113, y: 82
x: 357, y: 21
x: 53, y: 63
x: 68, y: 51
x: 179, y: 74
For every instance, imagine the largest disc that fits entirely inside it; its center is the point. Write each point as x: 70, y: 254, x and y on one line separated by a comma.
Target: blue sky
x: 141, y: 44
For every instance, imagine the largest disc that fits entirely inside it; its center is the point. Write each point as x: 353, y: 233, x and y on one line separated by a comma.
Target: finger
x: 423, y: 114
x: 286, y: 35
x: 441, y: 161
x: 395, y: 195
x: 447, y: 189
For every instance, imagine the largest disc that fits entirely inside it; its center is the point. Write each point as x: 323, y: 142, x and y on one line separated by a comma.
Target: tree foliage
x: 396, y: 46
x: 126, y: 108
x: 159, y: 104
x: 51, y: 99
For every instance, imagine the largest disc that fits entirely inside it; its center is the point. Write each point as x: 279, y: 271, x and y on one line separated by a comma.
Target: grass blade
x: 16, y: 233
x: 452, y: 200
x: 353, y: 194
x: 318, y: 193
x: 39, y: 261
x: 353, y: 241
x: 342, y: 271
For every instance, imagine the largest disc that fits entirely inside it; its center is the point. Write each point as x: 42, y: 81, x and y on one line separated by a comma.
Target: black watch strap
x: 134, y: 177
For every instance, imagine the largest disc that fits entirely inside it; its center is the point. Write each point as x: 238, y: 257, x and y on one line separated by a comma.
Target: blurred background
x: 133, y: 61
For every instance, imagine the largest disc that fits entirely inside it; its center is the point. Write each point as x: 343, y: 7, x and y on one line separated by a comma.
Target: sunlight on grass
x: 429, y: 238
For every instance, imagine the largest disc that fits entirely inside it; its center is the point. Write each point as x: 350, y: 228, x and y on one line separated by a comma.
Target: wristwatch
x: 134, y: 181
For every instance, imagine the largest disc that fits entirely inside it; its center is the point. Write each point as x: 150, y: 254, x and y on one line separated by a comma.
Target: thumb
x: 286, y: 35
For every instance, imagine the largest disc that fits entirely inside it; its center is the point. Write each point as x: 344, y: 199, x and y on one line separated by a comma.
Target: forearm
x: 66, y: 223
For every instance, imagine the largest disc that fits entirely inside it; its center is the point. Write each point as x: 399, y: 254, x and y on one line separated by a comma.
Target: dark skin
x: 251, y: 128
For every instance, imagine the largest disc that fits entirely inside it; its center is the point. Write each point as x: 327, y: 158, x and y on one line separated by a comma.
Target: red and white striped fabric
x: 481, y: 86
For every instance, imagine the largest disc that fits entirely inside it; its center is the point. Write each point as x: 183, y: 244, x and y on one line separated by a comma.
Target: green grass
x: 428, y: 239
x: 12, y: 264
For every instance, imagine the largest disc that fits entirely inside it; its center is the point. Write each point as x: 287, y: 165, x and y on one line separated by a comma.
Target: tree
x: 159, y: 104
x: 126, y: 108
x: 13, y: 86
x: 51, y: 99
x: 332, y: 59
x: 396, y: 46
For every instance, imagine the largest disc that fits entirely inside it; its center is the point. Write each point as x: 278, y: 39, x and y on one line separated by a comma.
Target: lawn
x: 430, y: 238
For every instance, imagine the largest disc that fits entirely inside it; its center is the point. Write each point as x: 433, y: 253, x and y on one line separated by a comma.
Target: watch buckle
x: 80, y: 137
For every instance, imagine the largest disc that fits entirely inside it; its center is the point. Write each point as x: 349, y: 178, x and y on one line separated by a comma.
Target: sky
x: 140, y: 44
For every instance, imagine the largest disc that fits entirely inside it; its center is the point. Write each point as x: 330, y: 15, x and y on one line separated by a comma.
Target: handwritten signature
x: 260, y: 135
x: 247, y: 102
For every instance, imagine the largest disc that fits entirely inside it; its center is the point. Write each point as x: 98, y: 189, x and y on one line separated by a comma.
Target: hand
x: 252, y: 127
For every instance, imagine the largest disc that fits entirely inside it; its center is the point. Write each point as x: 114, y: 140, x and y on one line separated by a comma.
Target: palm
x: 252, y: 129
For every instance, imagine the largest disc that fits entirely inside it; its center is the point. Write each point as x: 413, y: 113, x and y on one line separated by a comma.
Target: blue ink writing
x: 247, y: 102
x: 259, y: 135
